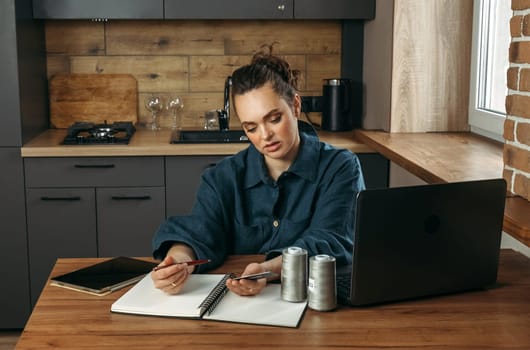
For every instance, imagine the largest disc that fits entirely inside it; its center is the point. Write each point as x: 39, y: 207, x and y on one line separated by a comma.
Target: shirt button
x: 276, y: 223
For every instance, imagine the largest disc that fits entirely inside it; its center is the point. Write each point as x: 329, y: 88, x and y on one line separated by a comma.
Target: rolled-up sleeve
x: 204, y: 230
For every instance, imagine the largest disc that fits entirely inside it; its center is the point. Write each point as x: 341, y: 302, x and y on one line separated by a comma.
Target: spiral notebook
x: 206, y: 297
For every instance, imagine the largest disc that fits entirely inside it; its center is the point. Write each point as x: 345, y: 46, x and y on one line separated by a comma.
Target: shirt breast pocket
x: 249, y: 239
x: 291, y: 230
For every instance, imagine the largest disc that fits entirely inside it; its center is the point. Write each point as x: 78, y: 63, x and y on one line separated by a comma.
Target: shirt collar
x: 305, y: 165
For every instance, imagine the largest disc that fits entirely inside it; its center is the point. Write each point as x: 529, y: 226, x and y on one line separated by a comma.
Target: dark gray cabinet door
x: 334, y: 9
x: 61, y: 224
x: 87, y: 9
x: 94, y: 172
x: 23, y: 82
x: 228, y: 9
x: 183, y: 175
x: 23, y: 114
x: 10, y: 131
x: 14, y: 290
x: 127, y: 219
x: 375, y: 169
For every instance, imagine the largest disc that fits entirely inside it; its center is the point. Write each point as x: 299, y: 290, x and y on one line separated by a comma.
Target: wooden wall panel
x: 300, y: 62
x: 221, y: 37
x: 191, y: 58
x: 153, y: 73
x: 287, y: 37
x: 164, y: 38
x: 208, y: 73
x: 75, y: 38
x: 57, y: 64
x: 320, y: 67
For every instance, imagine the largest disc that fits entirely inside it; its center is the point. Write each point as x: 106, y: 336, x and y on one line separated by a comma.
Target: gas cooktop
x: 83, y: 133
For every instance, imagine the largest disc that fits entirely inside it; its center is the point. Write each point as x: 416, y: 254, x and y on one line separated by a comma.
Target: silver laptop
x: 418, y: 241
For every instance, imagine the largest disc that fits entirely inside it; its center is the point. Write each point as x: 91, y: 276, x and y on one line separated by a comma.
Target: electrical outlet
x: 311, y: 104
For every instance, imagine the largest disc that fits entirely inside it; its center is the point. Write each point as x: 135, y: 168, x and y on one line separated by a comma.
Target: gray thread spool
x: 322, y: 294
x: 294, y: 274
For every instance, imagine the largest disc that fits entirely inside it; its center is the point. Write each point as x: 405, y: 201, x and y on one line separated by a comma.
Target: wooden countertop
x: 451, y: 157
x: 494, y: 318
x: 156, y: 143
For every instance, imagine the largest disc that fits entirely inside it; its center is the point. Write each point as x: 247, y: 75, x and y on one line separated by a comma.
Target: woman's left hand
x: 248, y: 287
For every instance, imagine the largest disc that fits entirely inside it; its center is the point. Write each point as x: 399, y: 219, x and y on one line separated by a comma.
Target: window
x: 489, y: 63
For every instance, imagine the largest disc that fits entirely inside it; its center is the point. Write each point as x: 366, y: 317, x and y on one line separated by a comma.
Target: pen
x: 189, y: 263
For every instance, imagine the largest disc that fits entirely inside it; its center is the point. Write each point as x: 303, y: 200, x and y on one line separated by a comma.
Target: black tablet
x: 105, y: 277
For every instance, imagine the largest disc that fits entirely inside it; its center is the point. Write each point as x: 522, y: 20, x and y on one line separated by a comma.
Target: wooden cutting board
x: 92, y: 98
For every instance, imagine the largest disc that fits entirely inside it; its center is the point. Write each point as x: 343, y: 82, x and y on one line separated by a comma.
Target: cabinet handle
x: 127, y: 198
x: 281, y: 7
x: 98, y: 166
x: 73, y: 198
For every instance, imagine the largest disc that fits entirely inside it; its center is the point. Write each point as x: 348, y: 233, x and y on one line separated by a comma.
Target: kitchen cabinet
x: 14, y: 292
x: 94, y: 206
x: 61, y: 224
x: 10, y: 131
x: 375, y: 169
x: 94, y: 171
x: 228, y: 9
x: 127, y: 218
x: 23, y: 96
x: 23, y: 82
x: 334, y: 9
x: 259, y: 9
x: 183, y: 175
x: 204, y: 9
x: 98, y: 9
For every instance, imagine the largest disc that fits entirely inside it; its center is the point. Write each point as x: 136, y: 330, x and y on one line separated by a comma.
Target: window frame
x: 481, y: 121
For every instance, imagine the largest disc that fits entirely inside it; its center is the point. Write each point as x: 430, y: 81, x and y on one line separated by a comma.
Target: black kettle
x: 337, y: 111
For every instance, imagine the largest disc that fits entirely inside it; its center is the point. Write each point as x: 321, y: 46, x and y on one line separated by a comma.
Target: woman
x: 286, y: 189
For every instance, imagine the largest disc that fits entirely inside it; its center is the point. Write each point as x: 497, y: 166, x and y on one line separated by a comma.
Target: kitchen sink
x: 209, y: 136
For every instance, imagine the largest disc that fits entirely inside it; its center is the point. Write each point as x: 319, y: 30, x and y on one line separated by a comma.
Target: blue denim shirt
x: 240, y: 209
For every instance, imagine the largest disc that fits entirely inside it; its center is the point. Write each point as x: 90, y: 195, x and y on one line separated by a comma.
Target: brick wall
x: 517, y: 124
x: 191, y: 58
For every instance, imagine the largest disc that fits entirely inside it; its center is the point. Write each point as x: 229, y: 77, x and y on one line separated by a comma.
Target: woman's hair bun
x: 278, y: 65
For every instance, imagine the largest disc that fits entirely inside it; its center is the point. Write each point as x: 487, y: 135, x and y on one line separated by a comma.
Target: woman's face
x: 269, y: 122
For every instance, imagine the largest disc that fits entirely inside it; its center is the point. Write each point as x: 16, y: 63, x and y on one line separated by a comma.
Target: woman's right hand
x: 171, y: 278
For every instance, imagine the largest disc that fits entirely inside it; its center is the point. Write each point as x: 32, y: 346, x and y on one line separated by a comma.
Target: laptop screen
x: 424, y: 240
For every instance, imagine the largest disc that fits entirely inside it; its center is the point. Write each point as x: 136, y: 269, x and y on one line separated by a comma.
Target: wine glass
x: 175, y: 105
x: 154, y: 104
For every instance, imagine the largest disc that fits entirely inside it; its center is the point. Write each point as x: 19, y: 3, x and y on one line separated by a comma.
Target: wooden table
x: 497, y: 318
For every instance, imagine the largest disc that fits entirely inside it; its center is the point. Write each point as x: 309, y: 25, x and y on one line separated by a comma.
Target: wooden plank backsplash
x: 191, y: 58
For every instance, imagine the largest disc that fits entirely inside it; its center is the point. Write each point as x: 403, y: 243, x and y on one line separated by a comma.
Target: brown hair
x: 266, y: 68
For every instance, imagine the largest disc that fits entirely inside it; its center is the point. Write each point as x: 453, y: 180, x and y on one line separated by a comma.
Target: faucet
x: 224, y: 114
